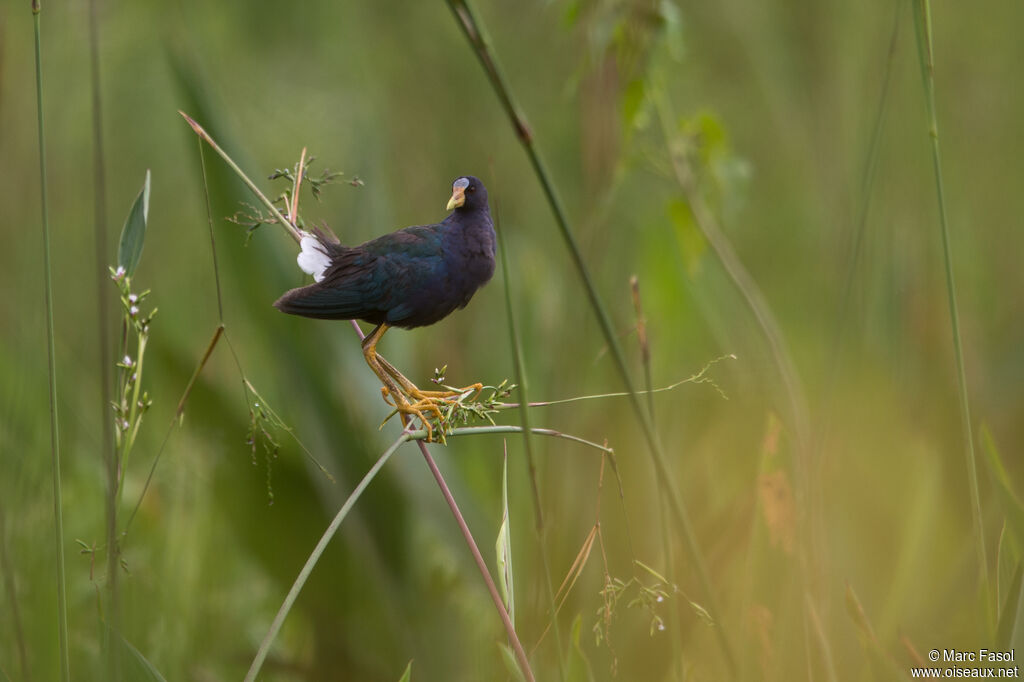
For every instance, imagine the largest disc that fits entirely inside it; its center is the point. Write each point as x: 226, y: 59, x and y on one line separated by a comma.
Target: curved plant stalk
x: 473, y: 31
x: 58, y: 505
x: 314, y: 557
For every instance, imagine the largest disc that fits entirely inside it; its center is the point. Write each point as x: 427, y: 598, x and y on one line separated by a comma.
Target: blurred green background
x: 773, y: 102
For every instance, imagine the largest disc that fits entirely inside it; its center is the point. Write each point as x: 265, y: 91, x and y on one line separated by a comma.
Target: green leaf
x: 578, y: 668
x: 129, y: 249
x: 503, y: 548
x: 407, y: 675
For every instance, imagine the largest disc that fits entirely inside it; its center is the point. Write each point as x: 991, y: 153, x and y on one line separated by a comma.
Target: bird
x: 413, y: 277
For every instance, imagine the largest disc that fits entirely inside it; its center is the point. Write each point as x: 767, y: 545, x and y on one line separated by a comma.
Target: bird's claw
x: 410, y: 402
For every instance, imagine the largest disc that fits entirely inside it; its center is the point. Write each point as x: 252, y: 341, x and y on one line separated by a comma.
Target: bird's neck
x: 470, y: 218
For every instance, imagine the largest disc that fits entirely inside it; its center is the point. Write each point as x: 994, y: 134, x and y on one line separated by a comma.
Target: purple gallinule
x: 413, y: 277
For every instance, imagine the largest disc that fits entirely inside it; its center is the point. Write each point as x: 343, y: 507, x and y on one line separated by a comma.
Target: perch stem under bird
x: 410, y: 278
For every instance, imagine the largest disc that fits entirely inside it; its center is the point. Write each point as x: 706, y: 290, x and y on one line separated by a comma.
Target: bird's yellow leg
x: 413, y: 391
x: 397, y: 393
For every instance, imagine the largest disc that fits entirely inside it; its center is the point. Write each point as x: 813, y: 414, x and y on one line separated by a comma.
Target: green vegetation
x: 769, y: 437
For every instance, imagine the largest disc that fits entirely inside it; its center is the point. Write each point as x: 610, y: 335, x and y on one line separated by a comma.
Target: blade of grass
x: 133, y: 234
x: 503, y: 546
x: 58, y: 505
x: 473, y: 31
x: 926, y: 56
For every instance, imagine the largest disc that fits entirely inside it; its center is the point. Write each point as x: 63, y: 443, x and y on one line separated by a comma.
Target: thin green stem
x: 524, y: 420
x: 213, y: 241
x: 926, y: 54
x: 698, y: 378
x: 58, y: 504
x: 314, y: 557
x: 421, y: 434
x: 473, y: 31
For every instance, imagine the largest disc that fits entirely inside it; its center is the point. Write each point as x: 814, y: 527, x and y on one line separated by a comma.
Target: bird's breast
x: 470, y: 256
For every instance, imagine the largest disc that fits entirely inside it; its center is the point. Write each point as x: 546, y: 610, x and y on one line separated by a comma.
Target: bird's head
x: 468, y: 194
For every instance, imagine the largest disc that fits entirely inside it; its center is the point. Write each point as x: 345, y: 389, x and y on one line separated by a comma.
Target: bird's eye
x: 471, y: 188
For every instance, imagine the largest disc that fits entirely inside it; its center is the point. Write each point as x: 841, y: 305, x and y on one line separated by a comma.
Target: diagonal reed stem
x: 58, y: 504
x: 926, y: 55
x: 473, y: 31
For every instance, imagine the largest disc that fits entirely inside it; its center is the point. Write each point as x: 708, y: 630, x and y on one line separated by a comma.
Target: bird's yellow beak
x: 458, y: 198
